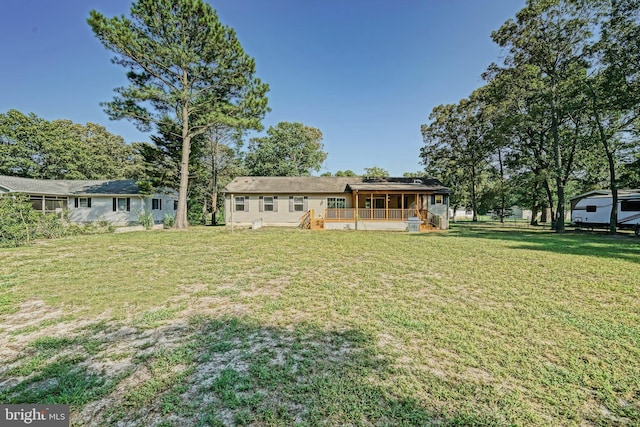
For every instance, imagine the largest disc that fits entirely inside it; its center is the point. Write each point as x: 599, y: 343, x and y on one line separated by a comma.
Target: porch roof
x: 412, y: 187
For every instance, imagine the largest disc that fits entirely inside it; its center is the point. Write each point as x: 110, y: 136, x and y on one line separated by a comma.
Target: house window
x: 156, y: 204
x: 630, y: 205
x: 336, y: 203
x: 298, y: 203
x: 592, y: 208
x: 268, y: 203
x: 175, y: 205
x: 82, y: 202
x: 121, y: 204
x: 240, y: 203
x: 439, y: 199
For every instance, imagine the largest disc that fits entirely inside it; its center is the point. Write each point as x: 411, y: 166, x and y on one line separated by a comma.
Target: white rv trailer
x: 593, y: 209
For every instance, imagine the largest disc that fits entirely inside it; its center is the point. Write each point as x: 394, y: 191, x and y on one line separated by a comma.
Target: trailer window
x: 591, y: 208
x: 630, y: 205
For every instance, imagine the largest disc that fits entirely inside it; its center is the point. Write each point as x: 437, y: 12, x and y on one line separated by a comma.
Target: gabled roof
x: 66, y: 187
x: 329, y: 184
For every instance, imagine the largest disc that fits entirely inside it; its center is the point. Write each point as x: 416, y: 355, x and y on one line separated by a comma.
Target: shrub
x: 168, y: 220
x: 18, y: 220
x: 145, y: 218
x: 50, y: 226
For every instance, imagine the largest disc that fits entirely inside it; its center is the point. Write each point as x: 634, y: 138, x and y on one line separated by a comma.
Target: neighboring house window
x: 175, y: 205
x: 298, y: 204
x: 592, y: 208
x: 121, y: 204
x: 336, y: 203
x: 156, y: 204
x: 268, y: 204
x: 630, y: 205
x: 438, y: 199
x: 83, y: 202
x: 242, y: 203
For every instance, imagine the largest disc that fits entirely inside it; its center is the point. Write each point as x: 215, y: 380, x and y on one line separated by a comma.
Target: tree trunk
x: 474, y: 202
x: 214, y: 190
x: 536, y: 203
x: 557, y: 154
x: 613, y: 217
x: 550, y: 199
x: 503, y: 201
x: 181, y: 213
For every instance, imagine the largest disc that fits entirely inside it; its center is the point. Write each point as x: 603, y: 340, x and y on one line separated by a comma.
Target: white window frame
x: 298, y: 203
x: 268, y: 206
x: 239, y: 201
x: 334, y: 202
x: 83, y: 202
x: 121, y: 204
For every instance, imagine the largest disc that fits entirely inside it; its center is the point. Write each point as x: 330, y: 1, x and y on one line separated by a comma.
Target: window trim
x: 245, y: 204
x: 156, y: 204
x: 268, y: 206
x: 78, y: 203
x: 116, y: 204
x: 298, y: 203
x: 336, y: 204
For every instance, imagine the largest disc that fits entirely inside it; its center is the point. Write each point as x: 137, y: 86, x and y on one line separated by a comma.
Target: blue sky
x: 367, y: 73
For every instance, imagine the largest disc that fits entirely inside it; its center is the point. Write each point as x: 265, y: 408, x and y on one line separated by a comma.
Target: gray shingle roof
x: 326, y: 184
x: 64, y: 187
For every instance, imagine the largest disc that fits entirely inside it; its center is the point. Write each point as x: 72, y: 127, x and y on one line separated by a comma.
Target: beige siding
x: 284, y: 216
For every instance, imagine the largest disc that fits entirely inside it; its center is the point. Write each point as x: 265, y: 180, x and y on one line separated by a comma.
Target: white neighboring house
x: 119, y: 202
x: 593, y: 209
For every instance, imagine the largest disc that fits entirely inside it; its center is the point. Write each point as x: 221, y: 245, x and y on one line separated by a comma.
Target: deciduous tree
x: 289, y: 149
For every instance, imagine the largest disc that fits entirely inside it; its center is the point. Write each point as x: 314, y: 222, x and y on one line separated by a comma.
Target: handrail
x: 305, y: 220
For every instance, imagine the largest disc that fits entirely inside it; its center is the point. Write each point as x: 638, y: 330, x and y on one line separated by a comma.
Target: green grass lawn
x: 479, y: 325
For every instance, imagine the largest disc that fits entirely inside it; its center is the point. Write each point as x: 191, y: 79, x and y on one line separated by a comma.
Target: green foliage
x: 18, y: 220
x: 145, y: 218
x: 289, y: 149
x: 376, y: 171
x: 168, y: 220
x: 32, y: 147
x: 557, y: 117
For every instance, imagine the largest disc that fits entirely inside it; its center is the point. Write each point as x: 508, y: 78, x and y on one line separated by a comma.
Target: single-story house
x: 361, y: 203
x: 119, y: 202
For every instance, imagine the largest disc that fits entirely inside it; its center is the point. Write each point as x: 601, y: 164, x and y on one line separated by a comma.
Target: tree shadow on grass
x: 599, y: 244
x: 219, y: 372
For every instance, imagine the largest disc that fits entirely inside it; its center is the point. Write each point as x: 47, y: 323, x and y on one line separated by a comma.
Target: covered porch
x: 387, y: 206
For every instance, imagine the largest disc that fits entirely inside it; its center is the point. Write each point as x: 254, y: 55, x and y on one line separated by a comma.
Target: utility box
x: 413, y: 224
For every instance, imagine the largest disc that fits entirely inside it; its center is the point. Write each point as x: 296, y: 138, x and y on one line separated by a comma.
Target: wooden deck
x: 428, y: 222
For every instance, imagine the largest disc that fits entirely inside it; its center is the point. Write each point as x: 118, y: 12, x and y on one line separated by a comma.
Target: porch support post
x: 417, y: 205
x: 232, y: 206
x: 356, y: 210
x: 402, y: 206
x: 386, y: 206
x: 371, y: 203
